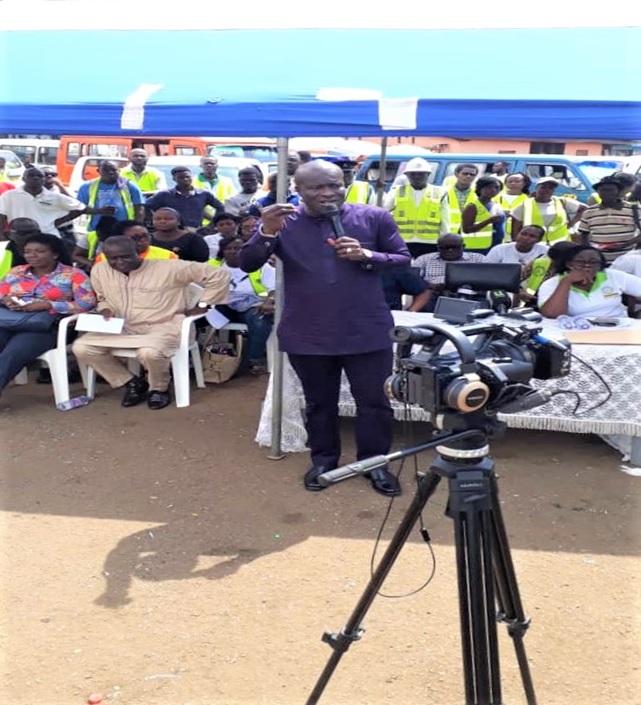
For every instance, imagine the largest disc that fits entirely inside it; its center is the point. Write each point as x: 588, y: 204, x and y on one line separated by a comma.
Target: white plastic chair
x: 179, y: 362
x: 56, y: 360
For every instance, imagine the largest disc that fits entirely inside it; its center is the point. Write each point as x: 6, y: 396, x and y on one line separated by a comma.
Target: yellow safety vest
x: 358, y: 192
x: 152, y: 252
x: 455, y: 211
x: 540, y: 267
x: 222, y: 189
x: 418, y: 223
x: 92, y: 235
x: 5, y: 263
x: 558, y: 229
x: 254, y: 277
x: 482, y: 239
x: 507, y: 206
x: 147, y: 181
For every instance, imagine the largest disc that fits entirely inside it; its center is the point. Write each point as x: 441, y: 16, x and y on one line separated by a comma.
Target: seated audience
x: 140, y: 235
x: 629, y: 262
x: 170, y: 234
x: 541, y: 269
x: 524, y: 249
x: 151, y: 295
x: 11, y: 252
x: 223, y: 225
x: 251, y: 300
x: 584, y: 287
x: 450, y: 248
x: 246, y: 226
x: 40, y: 291
x: 88, y: 248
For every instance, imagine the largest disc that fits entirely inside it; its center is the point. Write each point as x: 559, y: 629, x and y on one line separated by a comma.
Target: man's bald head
x: 450, y: 246
x: 321, y: 186
x: 121, y: 253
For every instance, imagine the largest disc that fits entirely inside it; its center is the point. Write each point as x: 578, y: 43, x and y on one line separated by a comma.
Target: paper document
x: 95, y: 323
x: 216, y: 319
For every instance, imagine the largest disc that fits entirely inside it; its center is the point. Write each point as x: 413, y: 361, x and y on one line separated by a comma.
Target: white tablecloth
x: 618, y: 365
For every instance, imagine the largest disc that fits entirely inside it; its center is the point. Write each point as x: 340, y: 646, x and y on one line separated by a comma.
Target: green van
x: 576, y: 175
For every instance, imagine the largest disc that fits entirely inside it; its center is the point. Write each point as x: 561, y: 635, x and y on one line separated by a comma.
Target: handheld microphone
x: 333, y: 214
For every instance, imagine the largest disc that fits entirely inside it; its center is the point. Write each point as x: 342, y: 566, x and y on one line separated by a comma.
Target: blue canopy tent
x: 511, y: 83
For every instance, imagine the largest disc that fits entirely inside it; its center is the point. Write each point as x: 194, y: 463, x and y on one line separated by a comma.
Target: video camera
x: 487, y: 372
x: 477, y: 285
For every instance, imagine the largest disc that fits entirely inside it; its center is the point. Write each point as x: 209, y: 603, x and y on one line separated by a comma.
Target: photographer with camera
x: 334, y: 316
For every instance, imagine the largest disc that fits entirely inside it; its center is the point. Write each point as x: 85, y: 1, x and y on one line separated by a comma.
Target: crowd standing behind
x: 565, y: 248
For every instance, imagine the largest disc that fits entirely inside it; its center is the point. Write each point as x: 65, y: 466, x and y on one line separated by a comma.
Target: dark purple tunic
x: 332, y: 306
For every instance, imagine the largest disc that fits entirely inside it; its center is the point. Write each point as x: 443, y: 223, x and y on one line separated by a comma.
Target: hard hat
x: 418, y: 165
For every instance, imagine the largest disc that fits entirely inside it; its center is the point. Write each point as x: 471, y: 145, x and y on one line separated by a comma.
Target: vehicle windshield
x: 597, y: 170
x: 246, y: 151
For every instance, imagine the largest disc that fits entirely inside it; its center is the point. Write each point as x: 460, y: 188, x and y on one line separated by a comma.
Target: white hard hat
x: 417, y: 165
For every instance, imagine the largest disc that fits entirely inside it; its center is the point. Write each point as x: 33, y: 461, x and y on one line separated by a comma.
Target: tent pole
x: 282, y: 186
x: 382, y: 168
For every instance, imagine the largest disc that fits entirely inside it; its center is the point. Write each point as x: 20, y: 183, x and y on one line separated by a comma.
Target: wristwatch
x: 203, y: 305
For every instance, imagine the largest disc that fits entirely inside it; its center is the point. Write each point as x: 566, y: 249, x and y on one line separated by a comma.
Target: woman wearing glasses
x: 585, y: 288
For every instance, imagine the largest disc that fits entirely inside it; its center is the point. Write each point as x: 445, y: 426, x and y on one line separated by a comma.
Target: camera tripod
x: 486, y: 577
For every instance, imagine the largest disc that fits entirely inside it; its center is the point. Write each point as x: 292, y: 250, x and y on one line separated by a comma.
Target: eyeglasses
x: 585, y: 263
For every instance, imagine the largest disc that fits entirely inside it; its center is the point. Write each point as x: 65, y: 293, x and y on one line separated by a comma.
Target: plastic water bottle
x: 73, y: 403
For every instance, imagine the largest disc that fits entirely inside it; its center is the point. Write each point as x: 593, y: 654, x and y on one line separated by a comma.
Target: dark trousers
x: 320, y: 376
x: 18, y: 349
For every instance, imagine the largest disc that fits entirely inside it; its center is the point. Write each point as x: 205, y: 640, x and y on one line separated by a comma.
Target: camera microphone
x: 333, y: 214
x: 529, y: 401
x: 360, y: 467
x: 499, y: 301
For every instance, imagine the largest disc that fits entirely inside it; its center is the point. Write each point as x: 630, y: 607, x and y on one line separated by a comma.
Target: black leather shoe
x: 384, y: 482
x: 135, y: 392
x: 158, y: 400
x: 310, y: 479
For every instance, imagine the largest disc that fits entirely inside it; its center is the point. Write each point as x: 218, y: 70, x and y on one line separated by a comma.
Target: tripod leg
x: 507, y: 593
x: 353, y: 631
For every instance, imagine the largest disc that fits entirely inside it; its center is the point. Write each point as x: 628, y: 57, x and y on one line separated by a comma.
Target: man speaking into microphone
x: 334, y: 315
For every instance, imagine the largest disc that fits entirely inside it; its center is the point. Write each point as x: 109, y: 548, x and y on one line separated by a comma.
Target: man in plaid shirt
x: 450, y: 248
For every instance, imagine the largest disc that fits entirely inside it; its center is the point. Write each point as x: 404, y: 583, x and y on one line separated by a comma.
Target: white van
x: 33, y: 152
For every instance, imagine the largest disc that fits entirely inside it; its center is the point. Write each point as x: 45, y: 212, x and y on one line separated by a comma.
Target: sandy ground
x: 159, y: 558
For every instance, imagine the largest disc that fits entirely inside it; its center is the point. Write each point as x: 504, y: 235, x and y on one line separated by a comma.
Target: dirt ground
x: 159, y: 558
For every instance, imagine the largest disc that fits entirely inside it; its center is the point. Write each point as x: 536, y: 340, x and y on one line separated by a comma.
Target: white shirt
x: 213, y: 241
x: 45, y: 208
x: 603, y: 300
x: 389, y: 203
x: 629, y: 263
x: 241, y: 292
x: 508, y: 254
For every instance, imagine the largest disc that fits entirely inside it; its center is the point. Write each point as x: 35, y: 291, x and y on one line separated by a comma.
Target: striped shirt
x: 612, y: 230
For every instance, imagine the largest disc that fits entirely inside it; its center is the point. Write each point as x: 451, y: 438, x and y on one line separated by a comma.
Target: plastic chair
x: 179, y: 362
x: 56, y: 360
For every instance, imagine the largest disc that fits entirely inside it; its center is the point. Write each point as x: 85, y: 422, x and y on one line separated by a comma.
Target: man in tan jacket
x: 151, y: 295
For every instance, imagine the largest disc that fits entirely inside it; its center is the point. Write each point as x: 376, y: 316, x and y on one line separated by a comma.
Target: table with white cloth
x: 610, y: 405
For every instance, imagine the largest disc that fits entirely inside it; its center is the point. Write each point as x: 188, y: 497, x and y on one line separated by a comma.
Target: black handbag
x: 27, y: 322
